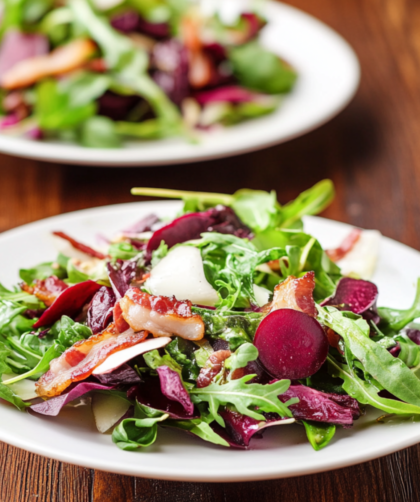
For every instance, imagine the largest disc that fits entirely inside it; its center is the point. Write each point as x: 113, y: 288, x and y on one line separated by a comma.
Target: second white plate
x: 328, y: 78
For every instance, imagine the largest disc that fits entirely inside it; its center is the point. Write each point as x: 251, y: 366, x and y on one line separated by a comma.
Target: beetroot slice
x: 291, y: 344
x: 69, y: 302
x: 356, y: 294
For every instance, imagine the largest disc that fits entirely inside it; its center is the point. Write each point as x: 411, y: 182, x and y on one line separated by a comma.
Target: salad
x: 102, y: 71
x: 222, y: 322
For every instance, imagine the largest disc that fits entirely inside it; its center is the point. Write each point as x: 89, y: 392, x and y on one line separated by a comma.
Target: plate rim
x: 97, y: 157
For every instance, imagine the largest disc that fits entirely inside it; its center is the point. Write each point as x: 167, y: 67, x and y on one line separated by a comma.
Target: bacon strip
x: 212, y: 367
x: 345, y: 247
x: 81, y: 247
x: 46, y: 290
x: 78, y: 362
x: 61, y: 60
x: 295, y: 294
x: 160, y: 315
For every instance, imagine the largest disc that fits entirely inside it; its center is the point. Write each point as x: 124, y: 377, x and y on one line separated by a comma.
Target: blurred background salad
x: 97, y: 72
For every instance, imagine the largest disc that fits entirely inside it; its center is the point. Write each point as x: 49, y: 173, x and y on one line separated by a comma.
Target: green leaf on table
x: 261, y: 70
x: 319, y: 434
x: 245, y: 397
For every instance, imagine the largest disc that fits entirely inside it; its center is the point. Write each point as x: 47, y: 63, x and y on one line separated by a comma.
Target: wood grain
x: 372, y: 153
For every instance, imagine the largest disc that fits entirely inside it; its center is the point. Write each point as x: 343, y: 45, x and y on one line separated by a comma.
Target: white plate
x: 328, y: 78
x: 284, y: 450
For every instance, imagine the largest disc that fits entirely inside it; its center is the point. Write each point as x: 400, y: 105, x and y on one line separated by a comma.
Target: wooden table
x: 370, y: 151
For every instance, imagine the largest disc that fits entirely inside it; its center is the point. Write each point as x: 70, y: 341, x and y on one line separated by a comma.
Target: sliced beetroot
x: 321, y: 406
x: 190, y: 226
x: 356, y: 295
x: 172, y: 387
x: 241, y: 429
x: 291, y: 344
x: 53, y: 406
x: 148, y: 393
x: 70, y: 302
x: 81, y: 247
x: 413, y: 334
x: 254, y: 24
x: 17, y: 46
x: 116, y: 106
x: 100, y: 310
x: 229, y: 94
x: 121, y: 275
x: 125, y: 22
x: 124, y: 375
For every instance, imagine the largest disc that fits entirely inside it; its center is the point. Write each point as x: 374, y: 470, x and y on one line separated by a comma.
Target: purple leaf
x: 255, y: 24
x: 172, y: 387
x: 230, y: 94
x: 100, y: 310
x: 130, y: 21
x: 16, y: 47
x: 321, y: 406
x: 9, y: 121
x: 115, y: 106
x: 143, y: 225
x: 124, y: 375
x: 190, y: 226
x: 413, y: 334
x: 355, y: 294
x: 171, y: 68
x: 121, y: 276
x: 148, y: 393
x: 155, y: 30
x: 53, y: 406
x: 69, y: 302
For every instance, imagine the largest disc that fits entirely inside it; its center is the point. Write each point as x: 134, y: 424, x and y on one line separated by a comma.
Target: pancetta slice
x: 46, y: 290
x: 79, y: 361
x: 161, y: 315
x: 345, y: 247
x: 296, y: 294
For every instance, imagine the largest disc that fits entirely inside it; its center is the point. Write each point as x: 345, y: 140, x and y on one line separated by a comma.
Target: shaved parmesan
x: 181, y: 274
x: 362, y: 258
x: 262, y: 295
x: 107, y: 410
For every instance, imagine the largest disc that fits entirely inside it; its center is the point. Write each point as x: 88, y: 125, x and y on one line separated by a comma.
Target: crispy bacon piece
x: 295, y: 294
x: 78, y: 362
x: 345, y: 247
x: 47, y: 289
x: 161, y: 315
x: 121, y: 324
x: 212, y: 367
x: 61, y: 60
x: 81, y: 247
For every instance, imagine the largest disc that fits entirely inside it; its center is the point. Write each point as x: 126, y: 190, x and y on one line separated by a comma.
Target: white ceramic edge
x: 358, y: 457
x: 51, y: 152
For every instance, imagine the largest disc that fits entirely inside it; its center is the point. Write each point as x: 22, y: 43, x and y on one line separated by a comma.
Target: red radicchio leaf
x: 81, y: 247
x: 321, y: 406
x: 229, y: 94
x: 255, y: 23
x: 115, y: 106
x: 121, y: 275
x: 9, y: 121
x: 148, y: 393
x: 53, y: 406
x: 100, y: 310
x: 357, y: 295
x: 69, y: 302
x: 413, y: 334
x: 124, y: 375
x: 130, y: 21
x: 171, y: 387
x: 190, y: 226
x: 143, y: 225
x: 16, y: 47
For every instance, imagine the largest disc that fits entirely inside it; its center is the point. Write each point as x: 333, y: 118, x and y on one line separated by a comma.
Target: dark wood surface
x: 372, y: 153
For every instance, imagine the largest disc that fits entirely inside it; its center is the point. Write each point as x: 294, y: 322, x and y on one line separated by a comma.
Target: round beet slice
x: 291, y: 344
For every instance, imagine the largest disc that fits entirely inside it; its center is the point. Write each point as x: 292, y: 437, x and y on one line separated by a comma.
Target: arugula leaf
x: 319, y: 434
x: 198, y: 428
x: 397, y: 319
x: 42, y: 271
x: 68, y: 332
x: 245, y: 397
x: 365, y: 392
x: 390, y: 372
x: 19, y: 296
x: 8, y: 311
x: 180, y: 351
x: 410, y: 351
x: 153, y: 359
x: 243, y: 355
x: 99, y: 132
x: 8, y: 395
x: 122, y: 251
x: 260, y: 69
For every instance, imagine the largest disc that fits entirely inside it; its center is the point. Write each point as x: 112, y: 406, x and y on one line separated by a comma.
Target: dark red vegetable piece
x: 100, y: 310
x: 291, y: 344
x: 255, y: 24
x: 69, y: 303
x: 124, y: 375
x: 81, y: 247
x: 143, y: 225
x: 190, y: 226
x: 356, y: 295
x: 321, y: 406
x: 149, y: 394
x: 130, y: 21
x: 53, y: 406
x: 121, y: 275
x: 230, y: 94
x: 172, y: 387
x: 17, y: 46
x: 413, y: 334
x: 116, y: 106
